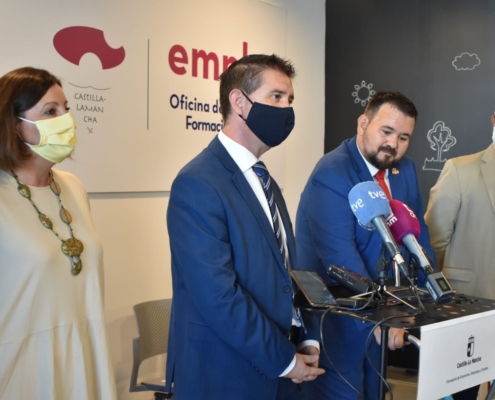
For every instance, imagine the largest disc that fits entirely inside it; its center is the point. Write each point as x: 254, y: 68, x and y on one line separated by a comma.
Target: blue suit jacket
x: 232, y: 302
x: 327, y: 231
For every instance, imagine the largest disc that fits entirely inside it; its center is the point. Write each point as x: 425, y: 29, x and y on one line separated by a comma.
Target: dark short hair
x: 245, y: 74
x: 20, y: 90
x: 395, y: 99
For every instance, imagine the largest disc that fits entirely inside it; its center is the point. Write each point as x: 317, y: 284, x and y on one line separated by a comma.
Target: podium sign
x: 456, y: 354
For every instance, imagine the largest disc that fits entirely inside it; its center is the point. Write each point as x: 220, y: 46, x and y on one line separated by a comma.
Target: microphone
x: 371, y: 207
x: 405, y: 228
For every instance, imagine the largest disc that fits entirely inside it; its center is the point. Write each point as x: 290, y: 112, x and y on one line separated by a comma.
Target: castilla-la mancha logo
x: 73, y: 42
x: 470, y: 347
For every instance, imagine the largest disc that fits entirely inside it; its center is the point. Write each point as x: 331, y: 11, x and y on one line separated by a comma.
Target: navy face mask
x: 272, y: 125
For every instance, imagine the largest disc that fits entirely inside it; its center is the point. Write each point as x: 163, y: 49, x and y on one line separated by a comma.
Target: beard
x: 388, y: 162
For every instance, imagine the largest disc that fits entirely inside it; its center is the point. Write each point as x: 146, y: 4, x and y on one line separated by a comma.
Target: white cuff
x: 313, y: 343
x: 289, y: 368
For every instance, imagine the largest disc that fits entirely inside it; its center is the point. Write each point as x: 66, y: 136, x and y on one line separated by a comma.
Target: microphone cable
x: 347, y: 309
x: 368, y: 357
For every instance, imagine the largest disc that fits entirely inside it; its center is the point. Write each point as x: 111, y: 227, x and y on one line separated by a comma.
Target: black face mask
x: 272, y: 125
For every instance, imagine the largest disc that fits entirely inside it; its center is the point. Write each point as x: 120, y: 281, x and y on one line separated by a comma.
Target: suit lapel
x: 249, y: 197
x: 252, y: 201
x: 397, y: 185
x: 359, y: 164
x: 488, y: 173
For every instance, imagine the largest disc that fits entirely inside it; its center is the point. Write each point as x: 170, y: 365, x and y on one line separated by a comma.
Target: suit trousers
x: 331, y: 386
x: 288, y: 390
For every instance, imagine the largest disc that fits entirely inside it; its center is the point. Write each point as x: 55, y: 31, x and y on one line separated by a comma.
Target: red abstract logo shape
x: 74, y: 42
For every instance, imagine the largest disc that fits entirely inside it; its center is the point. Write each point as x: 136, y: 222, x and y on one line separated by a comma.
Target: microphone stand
x: 383, y: 267
x: 396, y: 274
x: 413, y: 274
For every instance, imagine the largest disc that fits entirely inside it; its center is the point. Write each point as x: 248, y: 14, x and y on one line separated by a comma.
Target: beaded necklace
x: 71, y: 247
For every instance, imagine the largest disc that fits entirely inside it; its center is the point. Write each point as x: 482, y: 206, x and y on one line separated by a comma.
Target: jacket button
x: 286, y: 289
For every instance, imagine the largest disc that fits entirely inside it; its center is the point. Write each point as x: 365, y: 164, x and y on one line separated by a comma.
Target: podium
x: 457, y: 340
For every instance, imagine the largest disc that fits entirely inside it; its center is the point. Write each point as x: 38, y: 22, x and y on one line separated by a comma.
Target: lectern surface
x: 408, y: 318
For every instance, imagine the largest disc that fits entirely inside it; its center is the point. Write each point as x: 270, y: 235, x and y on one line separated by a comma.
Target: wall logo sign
x: 466, y: 62
x: 74, y: 42
x: 178, y: 60
x: 363, y: 93
x: 181, y: 62
x: 441, y: 140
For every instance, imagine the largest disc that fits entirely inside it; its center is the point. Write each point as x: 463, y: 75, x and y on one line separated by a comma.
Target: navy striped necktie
x: 260, y: 170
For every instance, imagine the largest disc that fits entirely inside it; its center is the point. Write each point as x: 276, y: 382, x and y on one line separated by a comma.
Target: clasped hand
x: 306, y: 368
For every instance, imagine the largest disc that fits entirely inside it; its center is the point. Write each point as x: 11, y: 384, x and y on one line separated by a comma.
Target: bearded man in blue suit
x: 234, y: 332
x: 328, y: 233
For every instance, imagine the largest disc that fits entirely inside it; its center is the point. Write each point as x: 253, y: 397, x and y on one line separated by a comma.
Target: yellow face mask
x: 57, y: 137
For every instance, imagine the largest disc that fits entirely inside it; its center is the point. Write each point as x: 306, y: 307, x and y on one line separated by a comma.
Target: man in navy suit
x: 328, y: 233
x: 234, y: 331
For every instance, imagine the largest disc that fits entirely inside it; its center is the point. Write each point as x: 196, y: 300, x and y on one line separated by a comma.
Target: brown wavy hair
x: 20, y: 90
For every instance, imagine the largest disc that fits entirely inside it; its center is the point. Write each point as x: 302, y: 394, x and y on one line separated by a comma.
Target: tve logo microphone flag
x: 368, y: 201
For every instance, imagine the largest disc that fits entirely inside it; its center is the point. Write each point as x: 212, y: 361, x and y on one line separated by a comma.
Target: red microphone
x: 402, y: 222
x: 405, y: 228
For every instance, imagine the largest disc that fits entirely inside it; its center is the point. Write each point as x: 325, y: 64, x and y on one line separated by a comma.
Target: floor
x: 404, y: 383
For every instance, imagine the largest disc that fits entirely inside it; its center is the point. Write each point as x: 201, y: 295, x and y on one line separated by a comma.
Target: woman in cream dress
x: 53, y: 342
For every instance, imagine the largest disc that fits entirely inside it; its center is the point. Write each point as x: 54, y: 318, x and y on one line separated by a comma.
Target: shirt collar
x: 242, y: 156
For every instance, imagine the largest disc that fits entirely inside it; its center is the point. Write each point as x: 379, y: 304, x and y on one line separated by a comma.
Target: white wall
x: 132, y: 226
